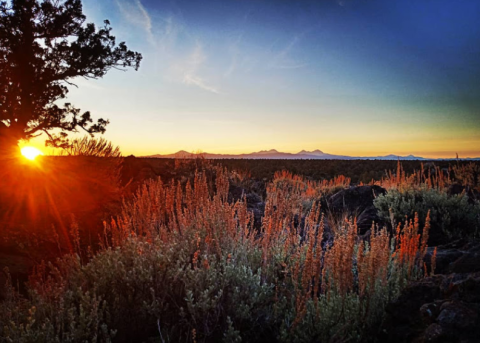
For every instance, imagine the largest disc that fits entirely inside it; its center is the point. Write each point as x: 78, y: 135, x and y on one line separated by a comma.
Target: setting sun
x: 30, y: 152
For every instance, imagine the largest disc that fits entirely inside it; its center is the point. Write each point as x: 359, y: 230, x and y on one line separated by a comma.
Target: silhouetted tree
x: 44, y: 45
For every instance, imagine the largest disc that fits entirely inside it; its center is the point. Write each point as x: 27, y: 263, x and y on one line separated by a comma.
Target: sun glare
x: 30, y: 152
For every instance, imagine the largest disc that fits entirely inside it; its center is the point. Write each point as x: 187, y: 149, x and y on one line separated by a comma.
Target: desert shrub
x: 93, y: 147
x: 339, y: 291
x: 301, y: 193
x: 58, y: 310
x: 182, y: 264
x: 429, y: 176
x: 140, y: 288
x: 452, y: 217
x: 468, y: 175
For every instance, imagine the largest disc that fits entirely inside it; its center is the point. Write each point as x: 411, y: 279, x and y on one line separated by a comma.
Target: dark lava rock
x: 434, y: 333
x: 444, y: 259
x: 455, y: 189
x: 255, y: 203
x: 441, y: 308
x: 258, y: 211
x: 430, y: 311
x: 456, y: 257
x: 236, y: 193
x: 353, y: 198
x: 253, y: 199
x: 357, y: 202
x: 455, y: 314
x: 468, y: 262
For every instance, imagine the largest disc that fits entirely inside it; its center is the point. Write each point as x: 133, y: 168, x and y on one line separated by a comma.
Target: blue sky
x: 351, y: 77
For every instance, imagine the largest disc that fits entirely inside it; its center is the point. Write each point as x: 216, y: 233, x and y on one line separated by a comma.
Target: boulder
x: 253, y: 199
x: 455, y: 189
x: 456, y: 257
x: 236, y: 193
x: 434, y: 333
x: 255, y: 203
x: 444, y: 259
x: 357, y: 202
x: 457, y: 315
x: 441, y: 308
x: 468, y: 262
x: 258, y: 210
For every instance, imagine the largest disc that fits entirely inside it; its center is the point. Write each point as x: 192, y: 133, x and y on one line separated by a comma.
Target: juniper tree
x: 44, y: 46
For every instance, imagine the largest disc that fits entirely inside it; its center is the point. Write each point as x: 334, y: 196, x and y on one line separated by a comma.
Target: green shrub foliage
x: 452, y: 217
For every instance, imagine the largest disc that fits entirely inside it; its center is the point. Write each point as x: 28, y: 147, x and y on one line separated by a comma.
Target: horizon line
x: 454, y: 156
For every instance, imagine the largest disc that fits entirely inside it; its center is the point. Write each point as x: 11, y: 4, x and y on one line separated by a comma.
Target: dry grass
x: 92, y: 147
x: 184, y: 256
x: 291, y: 241
x: 426, y: 178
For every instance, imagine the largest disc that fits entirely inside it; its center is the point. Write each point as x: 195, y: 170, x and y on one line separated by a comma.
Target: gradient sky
x: 361, y: 78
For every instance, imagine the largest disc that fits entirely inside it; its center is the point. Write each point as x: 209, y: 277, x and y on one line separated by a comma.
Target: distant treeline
x: 357, y: 170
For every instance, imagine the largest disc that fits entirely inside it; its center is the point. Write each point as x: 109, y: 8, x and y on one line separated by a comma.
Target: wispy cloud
x: 135, y: 13
x: 234, y: 50
x: 234, y: 47
x: 190, y: 70
x: 168, y: 28
x: 282, y: 59
x: 170, y: 31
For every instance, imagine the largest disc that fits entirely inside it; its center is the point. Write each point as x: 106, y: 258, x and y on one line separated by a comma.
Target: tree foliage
x: 44, y: 46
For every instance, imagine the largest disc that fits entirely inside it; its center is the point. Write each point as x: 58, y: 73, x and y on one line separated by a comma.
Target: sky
x: 350, y: 77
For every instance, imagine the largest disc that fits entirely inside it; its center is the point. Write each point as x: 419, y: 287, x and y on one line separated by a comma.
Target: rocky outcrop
x: 456, y: 257
x: 255, y: 204
x: 457, y: 189
x: 357, y: 202
x: 440, y: 308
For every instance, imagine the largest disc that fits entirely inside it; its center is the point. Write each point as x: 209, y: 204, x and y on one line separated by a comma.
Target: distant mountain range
x: 277, y: 155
